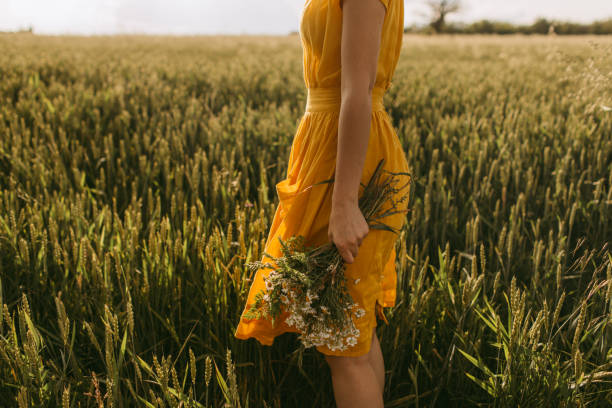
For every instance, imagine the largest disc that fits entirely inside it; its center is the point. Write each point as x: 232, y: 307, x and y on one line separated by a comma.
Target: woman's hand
x: 347, y: 228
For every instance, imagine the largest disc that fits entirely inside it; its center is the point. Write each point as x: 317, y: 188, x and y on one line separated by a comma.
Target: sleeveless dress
x: 304, y: 209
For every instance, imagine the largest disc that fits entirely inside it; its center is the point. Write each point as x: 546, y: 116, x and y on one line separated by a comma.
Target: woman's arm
x: 362, y: 22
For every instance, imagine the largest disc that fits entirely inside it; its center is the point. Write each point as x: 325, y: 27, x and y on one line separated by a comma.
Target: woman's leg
x: 356, y: 381
x: 377, y: 361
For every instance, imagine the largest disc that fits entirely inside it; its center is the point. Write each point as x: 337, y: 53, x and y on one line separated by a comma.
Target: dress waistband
x: 329, y: 99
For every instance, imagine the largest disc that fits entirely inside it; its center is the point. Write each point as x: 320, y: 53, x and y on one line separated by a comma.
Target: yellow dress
x: 304, y: 209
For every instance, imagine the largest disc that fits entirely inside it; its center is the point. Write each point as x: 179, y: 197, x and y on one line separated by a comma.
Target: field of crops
x: 137, y: 177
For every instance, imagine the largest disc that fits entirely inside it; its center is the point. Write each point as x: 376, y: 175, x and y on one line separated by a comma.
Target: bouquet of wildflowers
x: 310, y: 283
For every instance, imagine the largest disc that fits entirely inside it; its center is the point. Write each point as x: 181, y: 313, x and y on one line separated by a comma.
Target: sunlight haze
x: 250, y: 16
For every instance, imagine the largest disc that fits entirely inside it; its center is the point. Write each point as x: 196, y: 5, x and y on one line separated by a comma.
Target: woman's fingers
x: 348, y: 251
x: 348, y: 257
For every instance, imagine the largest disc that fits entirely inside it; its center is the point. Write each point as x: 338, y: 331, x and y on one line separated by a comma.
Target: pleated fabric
x: 304, y: 208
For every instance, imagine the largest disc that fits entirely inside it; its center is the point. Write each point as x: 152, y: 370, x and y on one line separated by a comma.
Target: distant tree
x: 540, y: 26
x: 440, y: 9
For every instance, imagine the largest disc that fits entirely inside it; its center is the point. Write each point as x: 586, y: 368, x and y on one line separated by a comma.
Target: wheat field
x: 137, y: 178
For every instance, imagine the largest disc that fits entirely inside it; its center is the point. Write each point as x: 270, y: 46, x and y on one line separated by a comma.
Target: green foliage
x: 539, y: 26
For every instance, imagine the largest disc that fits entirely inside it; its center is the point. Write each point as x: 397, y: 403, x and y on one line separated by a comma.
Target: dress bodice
x: 321, y: 34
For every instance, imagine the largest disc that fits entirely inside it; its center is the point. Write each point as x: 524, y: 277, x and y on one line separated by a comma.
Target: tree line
x: 540, y: 26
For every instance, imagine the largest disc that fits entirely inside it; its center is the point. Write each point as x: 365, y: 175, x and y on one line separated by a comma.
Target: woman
x: 351, y: 48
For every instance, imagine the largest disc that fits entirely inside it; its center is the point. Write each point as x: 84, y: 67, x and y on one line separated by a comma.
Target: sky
x: 181, y: 17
